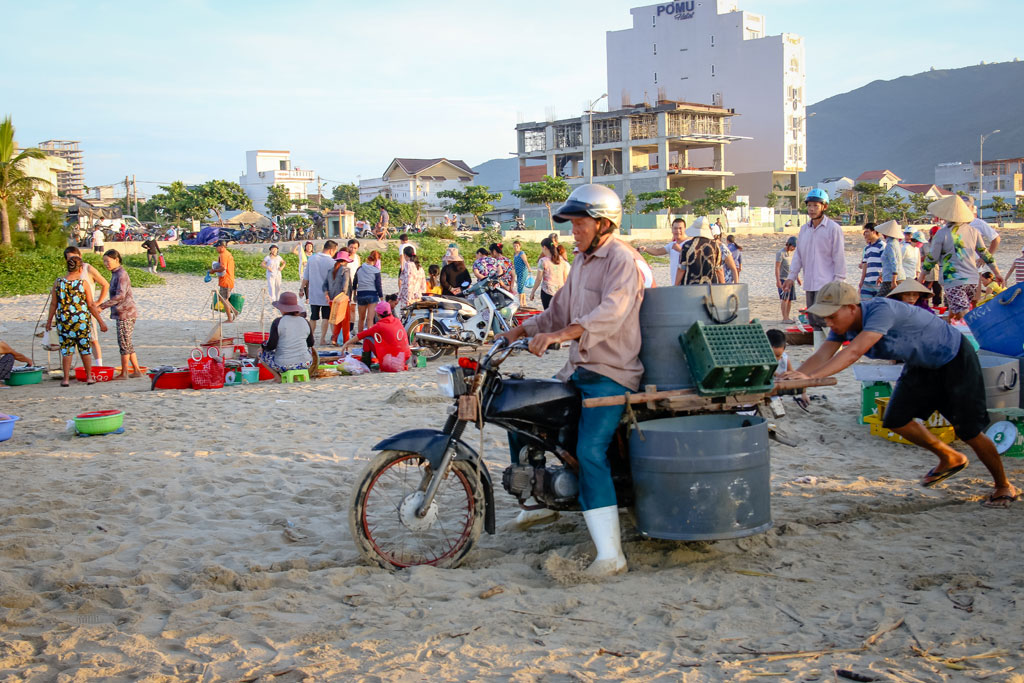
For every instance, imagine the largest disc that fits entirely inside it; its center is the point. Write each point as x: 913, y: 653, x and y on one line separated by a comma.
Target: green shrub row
x: 34, y: 271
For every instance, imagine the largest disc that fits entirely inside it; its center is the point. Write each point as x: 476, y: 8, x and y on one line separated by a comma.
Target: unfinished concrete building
x: 641, y: 148
x: 71, y: 182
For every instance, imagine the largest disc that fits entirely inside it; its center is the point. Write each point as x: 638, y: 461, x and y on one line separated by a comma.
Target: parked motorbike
x: 232, y: 235
x: 440, y: 325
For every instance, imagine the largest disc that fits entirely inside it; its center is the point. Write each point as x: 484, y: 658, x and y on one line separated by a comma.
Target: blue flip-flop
x: 941, y: 476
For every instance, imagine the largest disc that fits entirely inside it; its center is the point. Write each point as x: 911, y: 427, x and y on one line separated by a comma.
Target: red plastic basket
x: 255, y: 337
x: 100, y: 373
x: 206, y: 371
x: 173, y: 380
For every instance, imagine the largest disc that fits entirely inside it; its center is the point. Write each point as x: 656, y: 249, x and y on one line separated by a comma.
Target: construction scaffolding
x: 568, y: 135
x: 606, y: 130
x: 533, y: 140
x: 643, y: 126
x: 685, y: 123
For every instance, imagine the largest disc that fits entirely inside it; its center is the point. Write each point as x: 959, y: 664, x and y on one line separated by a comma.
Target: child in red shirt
x: 386, y: 339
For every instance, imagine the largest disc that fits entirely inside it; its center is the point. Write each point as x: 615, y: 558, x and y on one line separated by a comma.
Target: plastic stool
x: 294, y: 376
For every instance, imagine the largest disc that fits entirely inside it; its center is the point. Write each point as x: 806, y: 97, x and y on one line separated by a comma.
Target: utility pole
x: 127, y: 196
x: 135, y: 195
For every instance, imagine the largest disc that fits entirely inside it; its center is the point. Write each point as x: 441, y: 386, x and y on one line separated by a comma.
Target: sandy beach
x: 210, y: 542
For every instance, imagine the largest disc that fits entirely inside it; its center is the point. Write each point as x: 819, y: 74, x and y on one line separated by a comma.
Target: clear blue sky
x: 180, y: 90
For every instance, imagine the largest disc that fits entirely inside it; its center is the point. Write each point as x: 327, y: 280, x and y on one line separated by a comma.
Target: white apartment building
x: 711, y: 52
x: 1001, y: 176
x: 47, y: 172
x: 267, y: 167
x: 409, y: 180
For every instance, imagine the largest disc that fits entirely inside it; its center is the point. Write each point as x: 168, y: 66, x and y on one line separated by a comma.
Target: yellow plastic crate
x: 935, y: 420
x: 946, y: 434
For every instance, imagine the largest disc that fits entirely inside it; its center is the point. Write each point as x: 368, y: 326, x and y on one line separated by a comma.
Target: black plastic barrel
x: 701, y: 477
x: 668, y: 312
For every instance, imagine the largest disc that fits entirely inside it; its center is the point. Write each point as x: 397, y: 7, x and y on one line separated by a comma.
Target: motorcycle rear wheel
x: 430, y: 350
x: 382, y: 519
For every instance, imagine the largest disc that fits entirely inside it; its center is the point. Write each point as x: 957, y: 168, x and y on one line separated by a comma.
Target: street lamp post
x: 589, y: 172
x: 981, y: 169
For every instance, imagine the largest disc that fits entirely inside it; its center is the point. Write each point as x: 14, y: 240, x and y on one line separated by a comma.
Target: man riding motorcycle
x: 598, y: 310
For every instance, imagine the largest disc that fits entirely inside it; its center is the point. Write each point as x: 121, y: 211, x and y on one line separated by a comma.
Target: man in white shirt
x: 672, y: 249
x: 819, y: 254
x: 97, y: 239
x: 315, y: 277
x: 988, y: 233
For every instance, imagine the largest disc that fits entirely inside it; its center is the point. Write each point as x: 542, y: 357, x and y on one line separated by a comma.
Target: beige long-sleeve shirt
x: 602, y: 295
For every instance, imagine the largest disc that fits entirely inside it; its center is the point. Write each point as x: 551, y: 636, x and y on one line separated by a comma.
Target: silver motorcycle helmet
x: 596, y: 201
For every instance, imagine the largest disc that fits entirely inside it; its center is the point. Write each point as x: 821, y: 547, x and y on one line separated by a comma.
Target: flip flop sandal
x: 998, y: 502
x: 940, y: 476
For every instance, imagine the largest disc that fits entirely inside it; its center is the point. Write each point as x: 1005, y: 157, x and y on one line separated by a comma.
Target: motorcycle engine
x: 556, y: 487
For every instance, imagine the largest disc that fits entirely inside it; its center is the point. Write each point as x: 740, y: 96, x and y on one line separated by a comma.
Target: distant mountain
x: 912, y: 123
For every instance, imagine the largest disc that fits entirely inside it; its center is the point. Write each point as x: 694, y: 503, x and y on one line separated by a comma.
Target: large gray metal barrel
x: 701, y: 477
x: 668, y: 312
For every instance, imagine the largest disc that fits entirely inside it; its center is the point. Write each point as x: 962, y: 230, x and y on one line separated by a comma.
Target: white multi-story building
x: 711, y: 52
x: 411, y: 180
x: 266, y: 167
x: 46, y: 173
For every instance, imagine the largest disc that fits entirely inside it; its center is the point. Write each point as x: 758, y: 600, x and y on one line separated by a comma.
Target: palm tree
x: 13, y: 180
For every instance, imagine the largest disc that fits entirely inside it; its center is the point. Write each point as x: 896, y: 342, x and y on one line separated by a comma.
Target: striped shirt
x: 872, y: 260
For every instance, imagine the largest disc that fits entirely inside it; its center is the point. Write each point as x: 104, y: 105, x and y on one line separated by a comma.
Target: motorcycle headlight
x: 446, y: 381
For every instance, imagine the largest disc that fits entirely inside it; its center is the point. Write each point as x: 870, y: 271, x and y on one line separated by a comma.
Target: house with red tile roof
x: 930, y: 191
x: 885, y: 178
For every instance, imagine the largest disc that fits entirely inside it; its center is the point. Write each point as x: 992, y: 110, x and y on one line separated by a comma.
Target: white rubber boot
x: 529, y: 518
x: 603, y: 525
x: 819, y: 339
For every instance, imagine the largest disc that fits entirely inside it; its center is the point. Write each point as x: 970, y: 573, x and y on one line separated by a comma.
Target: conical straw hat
x: 952, y: 209
x: 889, y: 229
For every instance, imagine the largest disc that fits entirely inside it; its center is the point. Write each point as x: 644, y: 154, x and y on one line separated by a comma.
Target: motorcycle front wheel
x: 429, y: 349
x: 383, y: 518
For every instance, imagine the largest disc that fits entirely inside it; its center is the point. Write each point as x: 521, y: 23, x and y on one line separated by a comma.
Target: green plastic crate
x: 729, y: 359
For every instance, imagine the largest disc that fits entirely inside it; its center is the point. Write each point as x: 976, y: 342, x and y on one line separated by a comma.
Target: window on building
x: 712, y: 40
x: 654, y: 21
x: 712, y: 70
x: 655, y: 76
x: 794, y: 65
x: 283, y: 164
x: 655, y: 48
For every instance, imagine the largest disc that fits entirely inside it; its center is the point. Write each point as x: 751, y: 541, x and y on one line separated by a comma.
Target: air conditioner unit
x: 262, y: 174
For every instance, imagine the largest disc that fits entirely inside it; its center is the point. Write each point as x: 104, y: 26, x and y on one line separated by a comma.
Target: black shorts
x: 956, y: 390
x: 319, y: 312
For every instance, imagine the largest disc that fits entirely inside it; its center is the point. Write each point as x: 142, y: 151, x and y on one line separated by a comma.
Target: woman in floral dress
x: 71, y: 304
x: 411, y: 280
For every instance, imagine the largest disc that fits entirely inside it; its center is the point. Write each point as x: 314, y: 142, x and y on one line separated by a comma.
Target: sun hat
x: 889, y: 229
x: 952, y: 209
x: 383, y: 308
x: 700, y: 227
x: 289, y: 303
x: 451, y: 255
x: 908, y: 285
x: 918, y: 236
x: 343, y: 255
x: 832, y: 297
x: 791, y: 242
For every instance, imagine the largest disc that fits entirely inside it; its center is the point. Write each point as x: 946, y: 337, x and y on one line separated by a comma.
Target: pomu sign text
x: 678, y: 10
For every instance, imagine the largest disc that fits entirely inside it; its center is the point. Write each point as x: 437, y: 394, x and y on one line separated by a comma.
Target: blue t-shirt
x: 909, y: 334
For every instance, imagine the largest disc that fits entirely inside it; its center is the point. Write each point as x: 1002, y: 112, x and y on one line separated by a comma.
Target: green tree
x: 1018, y: 211
x: 347, y: 194
x: 221, y: 195
x: 629, y: 207
x: 278, y: 202
x: 298, y: 222
x: 547, y: 191
x: 48, y: 226
x: 868, y: 195
x: 999, y: 205
x: 663, y: 199
x: 771, y: 199
x: 715, y: 202
x: 15, y: 185
x: 474, y: 200
x: 837, y: 207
